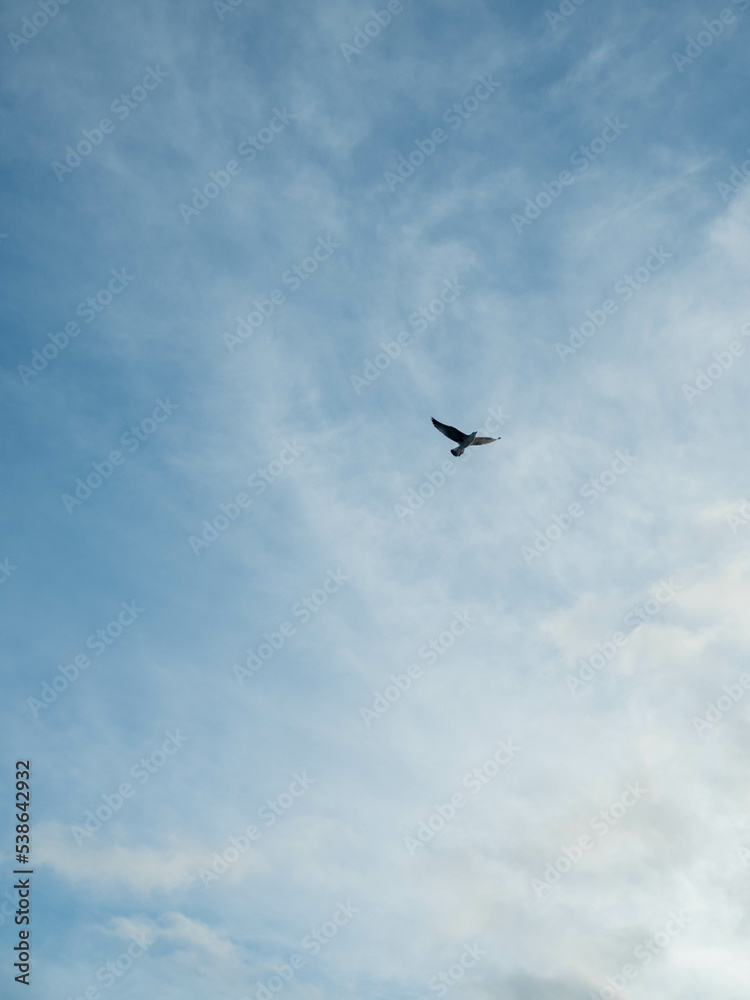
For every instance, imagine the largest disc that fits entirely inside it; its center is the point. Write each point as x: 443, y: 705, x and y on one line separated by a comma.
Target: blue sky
x: 361, y: 623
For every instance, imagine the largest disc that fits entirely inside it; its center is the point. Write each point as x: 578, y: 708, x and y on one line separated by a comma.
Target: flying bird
x: 464, y: 440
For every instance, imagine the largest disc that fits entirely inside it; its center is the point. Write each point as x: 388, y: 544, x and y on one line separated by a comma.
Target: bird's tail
x: 457, y: 452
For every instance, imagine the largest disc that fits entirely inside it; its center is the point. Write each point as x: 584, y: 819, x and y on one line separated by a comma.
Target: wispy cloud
x: 533, y: 222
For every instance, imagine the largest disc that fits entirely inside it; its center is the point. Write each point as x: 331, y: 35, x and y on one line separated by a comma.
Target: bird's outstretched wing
x: 484, y: 440
x: 450, y: 432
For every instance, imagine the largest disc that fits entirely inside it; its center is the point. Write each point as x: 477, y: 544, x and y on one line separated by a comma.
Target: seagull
x: 464, y: 440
